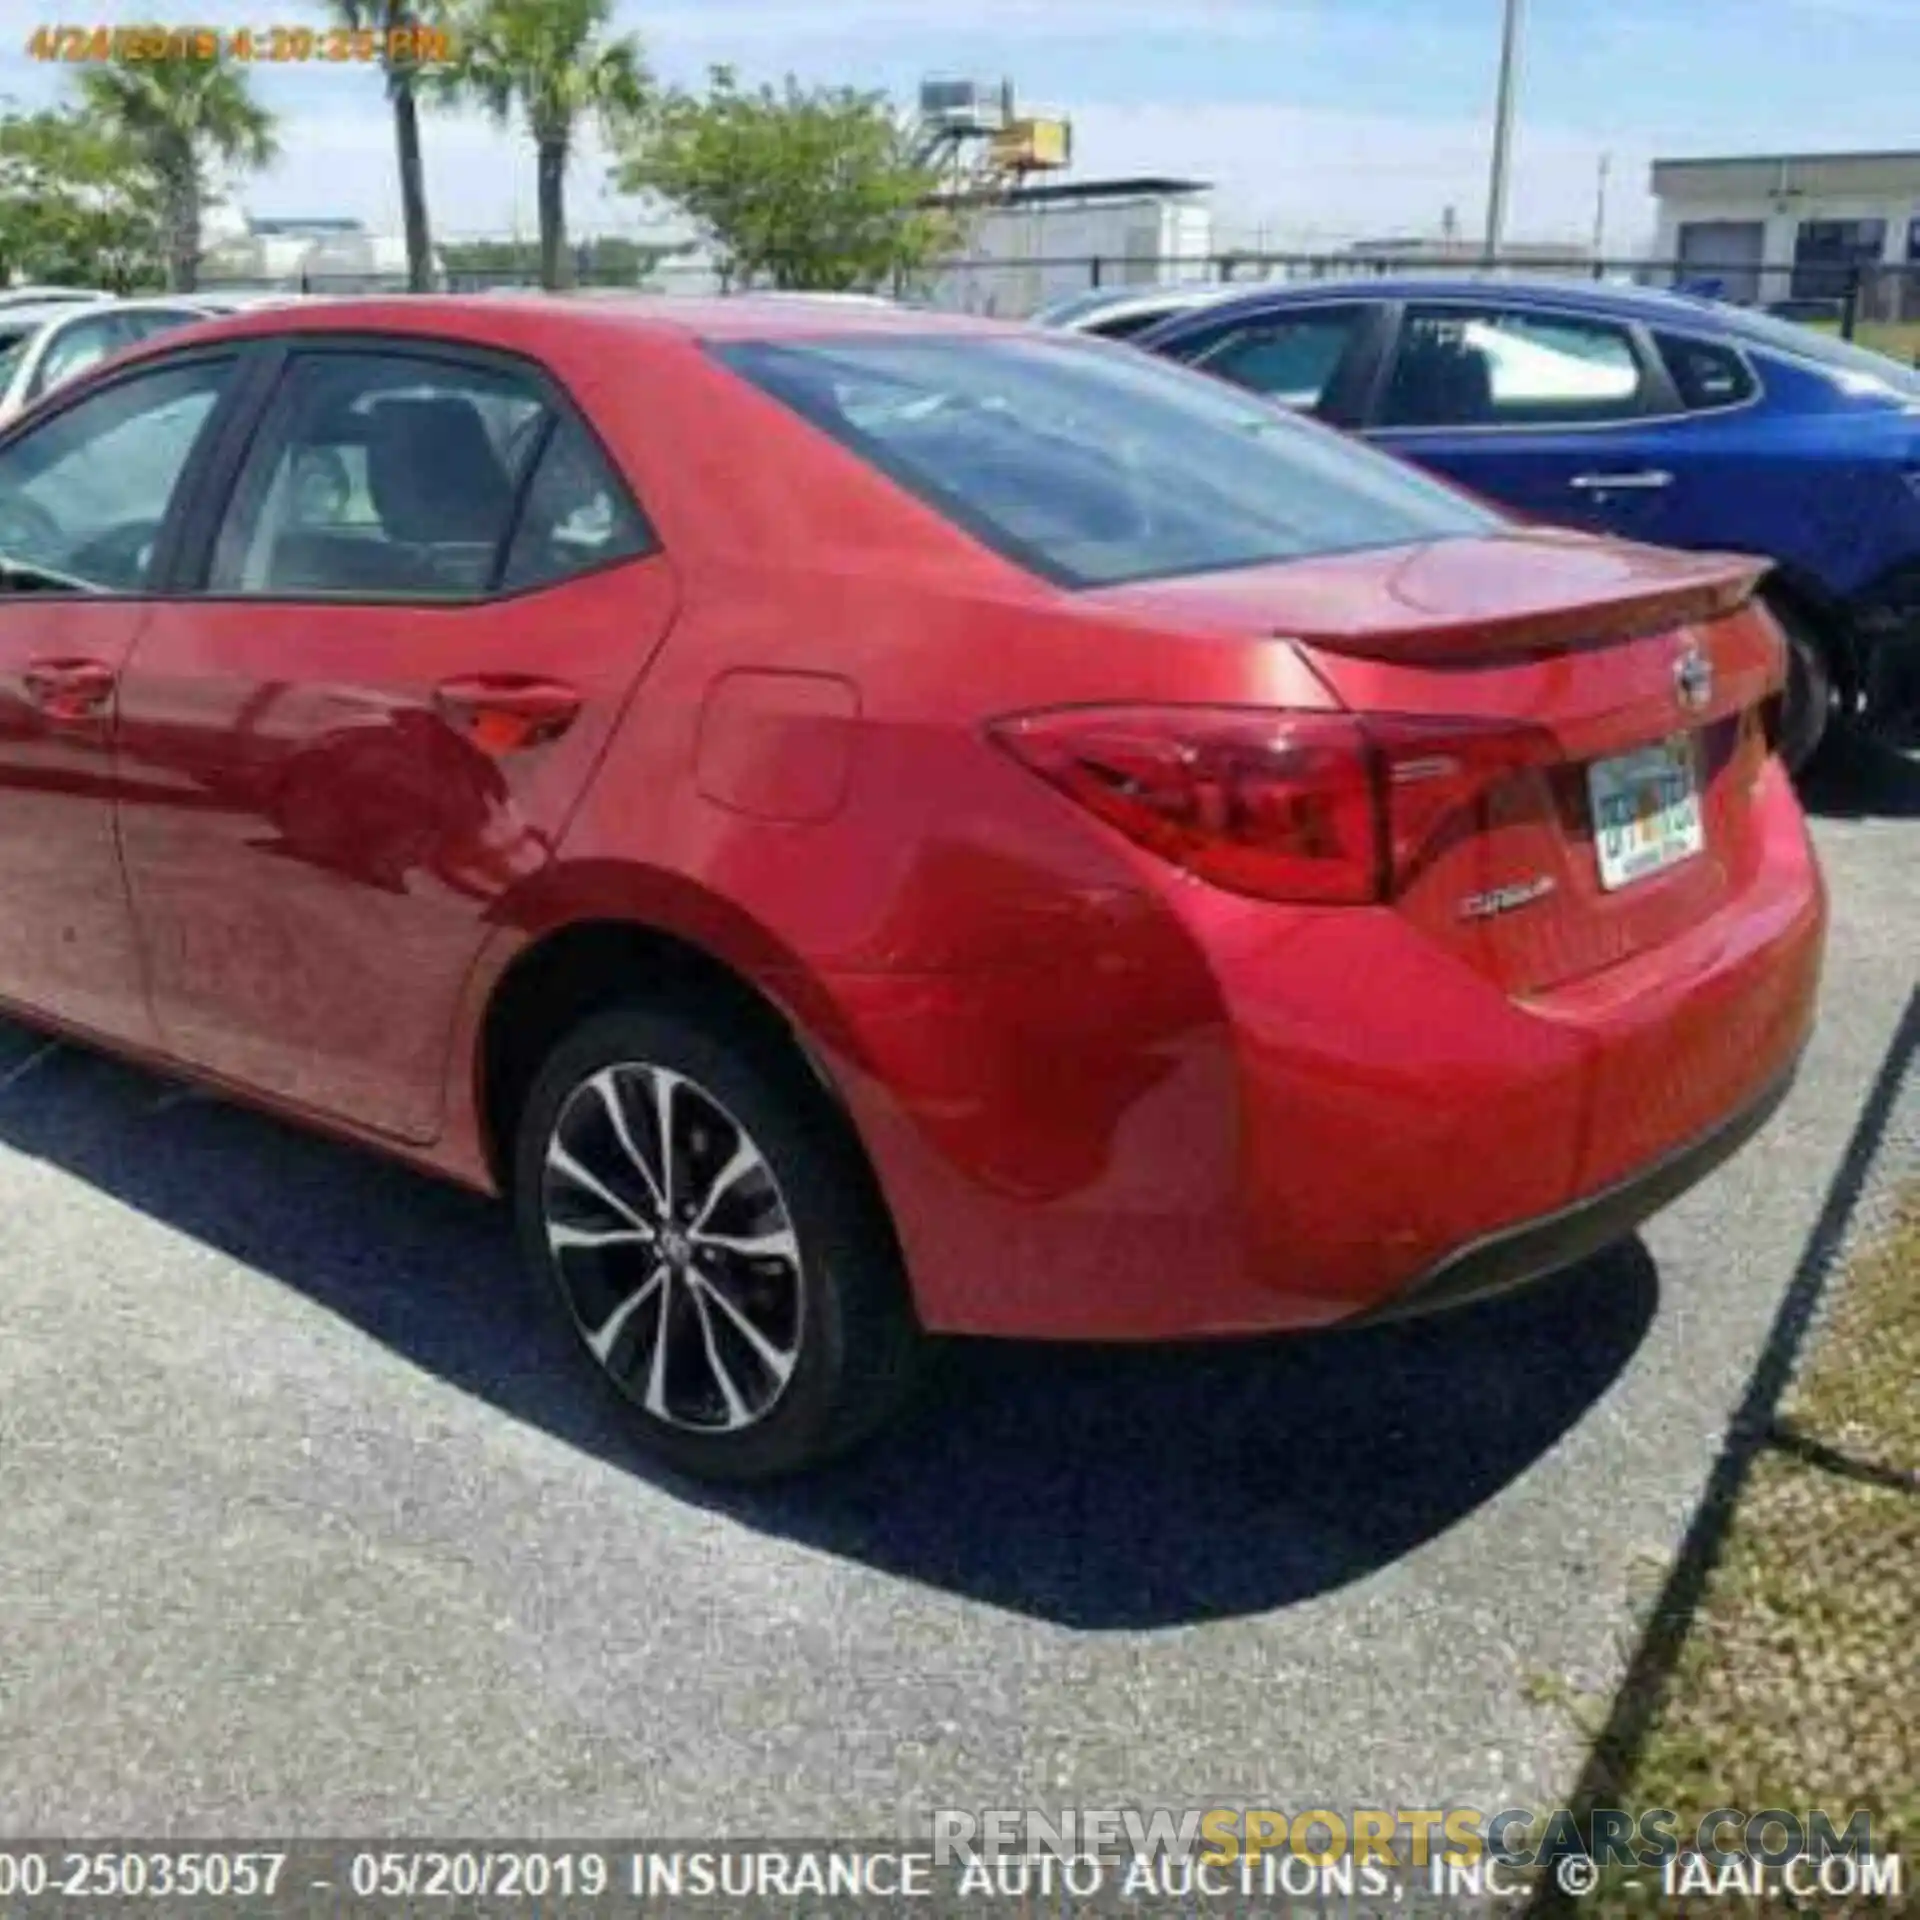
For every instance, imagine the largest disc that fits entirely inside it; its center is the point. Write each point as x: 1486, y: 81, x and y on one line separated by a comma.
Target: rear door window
x: 379, y: 474
x: 1493, y: 367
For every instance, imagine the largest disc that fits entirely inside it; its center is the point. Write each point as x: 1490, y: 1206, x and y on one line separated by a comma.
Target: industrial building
x: 1027, y: 240
x: 1795, y: 226
x: 326, y: 253
x: 1027, y: 245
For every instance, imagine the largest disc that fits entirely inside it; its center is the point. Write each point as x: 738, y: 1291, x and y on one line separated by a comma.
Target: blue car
x: 1641, y: 413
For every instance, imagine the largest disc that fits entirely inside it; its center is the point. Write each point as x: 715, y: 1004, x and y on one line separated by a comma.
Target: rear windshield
x: 1092, y: 465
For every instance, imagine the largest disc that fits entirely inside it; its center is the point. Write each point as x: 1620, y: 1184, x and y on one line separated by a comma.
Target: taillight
x: 1315, y: 808
x: 1275, y: 804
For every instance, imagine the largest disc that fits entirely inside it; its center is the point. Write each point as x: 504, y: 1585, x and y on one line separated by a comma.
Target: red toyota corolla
x: 867, y: 825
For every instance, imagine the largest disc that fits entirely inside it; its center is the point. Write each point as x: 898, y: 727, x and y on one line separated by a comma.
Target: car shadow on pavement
x: 1147, y: 1487
x: 1095, y: 1487
x: 1864, y: 780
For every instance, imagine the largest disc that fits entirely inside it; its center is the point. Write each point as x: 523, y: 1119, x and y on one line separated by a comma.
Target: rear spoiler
x: 1701, y: 589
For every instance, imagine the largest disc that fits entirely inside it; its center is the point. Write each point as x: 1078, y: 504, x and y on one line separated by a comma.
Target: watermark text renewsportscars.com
x: 1397, y: 1837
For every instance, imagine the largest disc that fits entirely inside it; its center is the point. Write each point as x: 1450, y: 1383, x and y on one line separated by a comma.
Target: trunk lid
x: 1522, y: 689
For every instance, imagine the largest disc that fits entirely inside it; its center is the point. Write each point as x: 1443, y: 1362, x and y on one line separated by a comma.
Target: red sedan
x: 867, y: 825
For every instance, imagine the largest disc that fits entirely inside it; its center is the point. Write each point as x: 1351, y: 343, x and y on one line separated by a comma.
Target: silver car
x: 45, y: 343
x: 1117, y: 313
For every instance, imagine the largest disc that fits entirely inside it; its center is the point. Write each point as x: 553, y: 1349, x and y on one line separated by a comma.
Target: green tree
x: 75, y: 206
x: 394, y: 22
x: 179, y: 119
x: 808, y: 187
x: 553, y: 60
x: 489, y: 263
x: 612, y: 261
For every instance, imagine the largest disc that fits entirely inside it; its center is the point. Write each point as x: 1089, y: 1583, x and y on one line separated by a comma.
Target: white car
x: 1117, y: 313
x: 49, y: 296
x: 820, y: 295
x: 248, y: 300
x: 46, y: 343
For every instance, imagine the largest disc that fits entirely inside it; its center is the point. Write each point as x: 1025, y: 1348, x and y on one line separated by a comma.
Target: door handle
x: 70, y: 690
x: 1644, y: 480
x: 503, y: 712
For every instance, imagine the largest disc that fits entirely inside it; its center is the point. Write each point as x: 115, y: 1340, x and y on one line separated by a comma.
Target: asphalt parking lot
x: 307, y: 1527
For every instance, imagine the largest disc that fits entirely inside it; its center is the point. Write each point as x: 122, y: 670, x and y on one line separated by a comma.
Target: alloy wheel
x: 674, y: 1248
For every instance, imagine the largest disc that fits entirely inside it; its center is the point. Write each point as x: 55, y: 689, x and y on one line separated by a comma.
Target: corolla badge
x: 1508, y: 899
x: 1693, y: 679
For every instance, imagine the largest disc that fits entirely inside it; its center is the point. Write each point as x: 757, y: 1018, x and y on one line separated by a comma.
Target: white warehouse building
x: 1026, y: 246
x: 1794, y: 226
x: 323, y: 254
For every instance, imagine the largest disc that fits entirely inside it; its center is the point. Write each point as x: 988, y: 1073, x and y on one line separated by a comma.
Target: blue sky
x: 1316, y: 119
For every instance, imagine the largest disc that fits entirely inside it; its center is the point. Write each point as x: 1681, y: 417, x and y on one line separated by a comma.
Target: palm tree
x: 388, y: 19
x: 551, y: 59
x: 178, y: 118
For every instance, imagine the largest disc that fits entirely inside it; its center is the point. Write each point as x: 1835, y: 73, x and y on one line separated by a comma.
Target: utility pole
x: 1503, y: 128
x: 1600, y: 211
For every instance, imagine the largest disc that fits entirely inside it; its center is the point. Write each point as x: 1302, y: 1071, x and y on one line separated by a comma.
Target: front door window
x: 83, y: 495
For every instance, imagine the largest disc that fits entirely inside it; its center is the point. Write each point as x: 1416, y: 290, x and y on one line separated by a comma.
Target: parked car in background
x: 21, y: 325
x: 44, y: 345
x: 248, y: 300
x: 869, y: 824
x: 29, y: 296
x: 827, y: 296
x: 1118, y: 313
x: 1637, y: 412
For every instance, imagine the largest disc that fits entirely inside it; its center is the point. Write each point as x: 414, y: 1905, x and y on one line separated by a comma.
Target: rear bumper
x: 1509, y: 1259
x: 1501, y: 1138
x: 1222, y: 1118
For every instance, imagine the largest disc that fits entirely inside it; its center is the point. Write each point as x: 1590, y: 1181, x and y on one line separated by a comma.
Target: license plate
x: 1646, y: 810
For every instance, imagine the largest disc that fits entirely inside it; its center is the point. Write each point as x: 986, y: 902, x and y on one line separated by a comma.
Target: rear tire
x: 731, y: 1276
x: 1812, y: 702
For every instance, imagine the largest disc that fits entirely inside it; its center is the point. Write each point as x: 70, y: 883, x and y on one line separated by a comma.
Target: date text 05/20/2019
x: 289, y: 44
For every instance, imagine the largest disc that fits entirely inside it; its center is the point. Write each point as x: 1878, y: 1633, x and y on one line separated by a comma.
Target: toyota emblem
x: 1693, y: 680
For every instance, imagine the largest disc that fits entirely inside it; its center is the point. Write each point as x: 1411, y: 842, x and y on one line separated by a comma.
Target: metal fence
x: 1873, y: 303
x: 1876, y: 304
